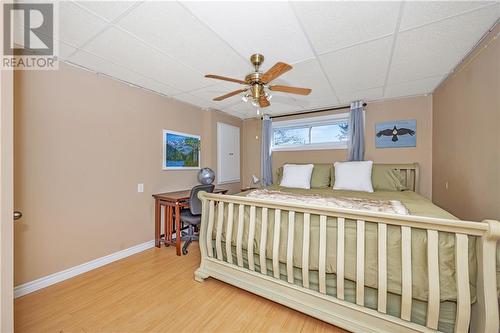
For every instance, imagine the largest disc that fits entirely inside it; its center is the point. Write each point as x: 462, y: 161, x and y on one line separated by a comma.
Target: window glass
x: 329, y: 133
x: 323, y: 132
x: 286, y: 136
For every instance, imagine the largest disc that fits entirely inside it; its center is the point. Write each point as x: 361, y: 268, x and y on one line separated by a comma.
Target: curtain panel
x: 265, y: 157
x: 356, y: 144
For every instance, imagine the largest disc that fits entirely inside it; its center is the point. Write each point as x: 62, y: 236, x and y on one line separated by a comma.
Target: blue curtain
x: 356, y: 144
x: 265, y: 158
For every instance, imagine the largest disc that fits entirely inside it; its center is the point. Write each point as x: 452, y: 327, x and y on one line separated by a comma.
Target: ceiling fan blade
x: 263, y: 102
x: 232, y: 93
x: 278, y: 69
x: 218, y: 77
x: 291, y: 90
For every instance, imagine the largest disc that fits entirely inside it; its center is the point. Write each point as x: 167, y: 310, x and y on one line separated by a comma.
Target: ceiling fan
x: 257, y: 83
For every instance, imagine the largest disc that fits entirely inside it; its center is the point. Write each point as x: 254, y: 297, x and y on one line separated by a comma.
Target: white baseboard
x: 51, y: 279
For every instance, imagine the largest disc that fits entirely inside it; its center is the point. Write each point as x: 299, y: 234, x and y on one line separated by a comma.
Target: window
x: 324, y: 132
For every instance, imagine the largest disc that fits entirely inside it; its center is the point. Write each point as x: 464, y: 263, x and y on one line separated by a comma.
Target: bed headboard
x: 410, y: 175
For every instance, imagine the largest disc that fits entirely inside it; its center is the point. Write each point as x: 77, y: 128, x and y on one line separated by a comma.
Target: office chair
x: 192, y: 216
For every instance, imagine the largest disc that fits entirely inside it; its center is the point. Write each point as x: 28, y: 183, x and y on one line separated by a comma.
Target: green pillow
x: 386, y: 178
x: 320, y: 177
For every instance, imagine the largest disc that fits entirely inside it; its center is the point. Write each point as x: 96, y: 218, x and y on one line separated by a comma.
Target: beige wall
x: 467, y: 136
x: 419, y: 108
x: 82, y: 144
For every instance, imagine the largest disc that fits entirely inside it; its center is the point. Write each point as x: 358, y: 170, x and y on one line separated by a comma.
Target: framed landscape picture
x: 181, y: 151
x: 396, y: 134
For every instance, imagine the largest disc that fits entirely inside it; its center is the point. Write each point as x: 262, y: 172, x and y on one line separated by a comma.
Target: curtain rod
x: 313, y: 111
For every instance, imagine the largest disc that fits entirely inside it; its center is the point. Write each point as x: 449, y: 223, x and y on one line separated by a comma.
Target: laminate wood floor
x: 154, y: 291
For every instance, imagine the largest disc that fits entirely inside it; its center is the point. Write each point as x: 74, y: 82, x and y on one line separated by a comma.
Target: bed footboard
x: 219, y: 261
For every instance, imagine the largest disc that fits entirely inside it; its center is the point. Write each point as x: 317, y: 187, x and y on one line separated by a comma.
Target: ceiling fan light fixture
x: 256, y: 90
x: 257, y: 83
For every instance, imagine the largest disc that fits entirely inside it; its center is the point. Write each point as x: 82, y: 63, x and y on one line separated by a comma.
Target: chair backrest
x: 194, y: 202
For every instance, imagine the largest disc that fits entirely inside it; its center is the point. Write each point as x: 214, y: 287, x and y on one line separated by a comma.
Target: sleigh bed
x: 365, y: 271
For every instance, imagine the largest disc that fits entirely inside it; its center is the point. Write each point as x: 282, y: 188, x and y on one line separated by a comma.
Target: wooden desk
x: 173, y: 202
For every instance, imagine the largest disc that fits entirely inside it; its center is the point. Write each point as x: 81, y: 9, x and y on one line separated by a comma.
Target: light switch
x: 140, y: 188
x: 446, y: 185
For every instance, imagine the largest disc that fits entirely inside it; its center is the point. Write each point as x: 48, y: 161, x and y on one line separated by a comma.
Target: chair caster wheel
x: 184, y: 252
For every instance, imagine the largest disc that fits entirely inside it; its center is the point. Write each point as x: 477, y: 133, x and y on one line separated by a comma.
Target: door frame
x: 6, y: 198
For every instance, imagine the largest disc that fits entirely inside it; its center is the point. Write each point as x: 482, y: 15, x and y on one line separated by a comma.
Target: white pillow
x: 297, y: 175
x: 355, y: 176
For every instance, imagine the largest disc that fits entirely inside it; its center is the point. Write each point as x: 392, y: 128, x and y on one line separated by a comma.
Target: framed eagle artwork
x: 396, y: 134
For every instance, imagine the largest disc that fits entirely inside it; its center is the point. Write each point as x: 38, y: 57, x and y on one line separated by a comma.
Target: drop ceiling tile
x: 266, y: 27
x: 209, y: 93
x: 359, y: 67
x: 435, y: 49
x: 332, y: 25
x: 364, y: 95
x: 190, y: 99
x: 417, y: 13
x: 235, y: 103
x: 277, y: 107
x: 246, y: 114
x: 418, y: 87
x: 108, y: 10
x: 242, y: 115
x: 100, y: 65
x: 65, y: 50
x: 318, y: 103
x: 123, y: 49
x: 306, y: 74
x: 76, y: 25
x: 158, y: 87
x: 196, y: 46
x: 240, y: 106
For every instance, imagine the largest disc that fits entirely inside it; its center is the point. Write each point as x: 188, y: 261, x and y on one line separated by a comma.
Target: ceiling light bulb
x: 244, y: 98
x: 258, y: 111
x: 268, y: 96
x: 254, y: 103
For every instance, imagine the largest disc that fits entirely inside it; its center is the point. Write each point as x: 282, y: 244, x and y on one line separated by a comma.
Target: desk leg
x: 178, y: 232
x: 157, y: 222
x: 168, y: 225
x: 165, y: 224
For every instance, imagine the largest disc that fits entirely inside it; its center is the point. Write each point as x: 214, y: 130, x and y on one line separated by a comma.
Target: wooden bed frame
x: 481, y: 317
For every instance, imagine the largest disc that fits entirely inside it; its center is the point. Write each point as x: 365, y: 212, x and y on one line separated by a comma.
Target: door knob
x: 17, y: 215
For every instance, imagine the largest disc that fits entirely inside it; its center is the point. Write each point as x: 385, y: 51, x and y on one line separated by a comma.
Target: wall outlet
x: 140, y: 188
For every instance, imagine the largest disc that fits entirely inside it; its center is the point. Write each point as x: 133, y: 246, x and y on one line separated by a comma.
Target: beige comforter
x: 416, y: 204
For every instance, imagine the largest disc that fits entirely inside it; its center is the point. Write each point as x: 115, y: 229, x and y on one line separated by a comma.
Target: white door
x: 228, y: 153
x: 6, y: 201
